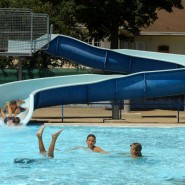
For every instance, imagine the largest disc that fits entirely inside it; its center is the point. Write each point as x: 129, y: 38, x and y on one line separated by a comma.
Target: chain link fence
x: 22, y: 32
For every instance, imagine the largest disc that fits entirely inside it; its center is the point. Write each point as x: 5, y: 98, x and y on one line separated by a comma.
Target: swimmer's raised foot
x: 40, y: 131
x: 55, y: 135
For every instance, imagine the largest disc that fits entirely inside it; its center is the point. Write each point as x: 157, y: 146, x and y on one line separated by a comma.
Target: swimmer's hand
x: 20, y: 101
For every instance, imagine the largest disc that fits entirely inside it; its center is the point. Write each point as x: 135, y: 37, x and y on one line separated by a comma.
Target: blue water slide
x: 120, y: 61
x: 140, y: 85
x: 142, y: 75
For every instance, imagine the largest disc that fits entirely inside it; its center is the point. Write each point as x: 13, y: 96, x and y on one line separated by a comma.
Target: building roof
x: 168, y: 23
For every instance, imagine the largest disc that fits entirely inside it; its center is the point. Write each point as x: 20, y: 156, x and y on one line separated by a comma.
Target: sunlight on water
x: 163, y: 160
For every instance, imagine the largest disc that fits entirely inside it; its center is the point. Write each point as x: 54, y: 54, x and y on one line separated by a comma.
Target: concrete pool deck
x: 90, y: 116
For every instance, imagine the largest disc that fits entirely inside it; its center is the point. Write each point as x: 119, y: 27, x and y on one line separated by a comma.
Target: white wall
x: 105, y: 44
x: 176, y: 43
x: 151, y: 43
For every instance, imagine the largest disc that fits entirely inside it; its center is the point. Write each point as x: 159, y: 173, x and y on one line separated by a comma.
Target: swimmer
x: 91, y: 141
x: 16, y: 108
x: 10, y: 120
x: 50, y: 152
x: 135, y: 150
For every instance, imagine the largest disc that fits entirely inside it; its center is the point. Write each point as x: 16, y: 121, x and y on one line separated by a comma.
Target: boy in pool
x: 50, y: 152
x: 10, y: 120
x: 91, y: 141
x: 135, y: 150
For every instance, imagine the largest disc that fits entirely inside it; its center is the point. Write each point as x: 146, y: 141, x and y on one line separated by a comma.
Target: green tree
x: 104, y: 18
x: 4, y: 3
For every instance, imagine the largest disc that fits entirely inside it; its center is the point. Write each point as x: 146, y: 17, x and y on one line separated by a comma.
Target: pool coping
x: 161, y: 125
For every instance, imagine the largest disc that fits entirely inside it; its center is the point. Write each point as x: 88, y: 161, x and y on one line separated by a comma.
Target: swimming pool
x: 163, y: 161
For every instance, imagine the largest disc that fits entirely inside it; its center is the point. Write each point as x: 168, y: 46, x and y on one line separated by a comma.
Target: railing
x: 103, y: 111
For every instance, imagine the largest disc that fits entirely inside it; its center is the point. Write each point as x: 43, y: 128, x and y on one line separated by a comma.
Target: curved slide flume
x: 25, y: 90
x: 140, y: 85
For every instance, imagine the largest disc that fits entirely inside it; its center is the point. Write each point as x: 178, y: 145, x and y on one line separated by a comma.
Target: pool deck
x: 102, y: 117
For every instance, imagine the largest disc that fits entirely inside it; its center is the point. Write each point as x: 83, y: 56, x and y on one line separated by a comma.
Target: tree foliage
x: 103, y: 18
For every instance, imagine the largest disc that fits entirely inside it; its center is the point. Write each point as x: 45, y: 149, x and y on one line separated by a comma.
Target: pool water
x: 163, y: 160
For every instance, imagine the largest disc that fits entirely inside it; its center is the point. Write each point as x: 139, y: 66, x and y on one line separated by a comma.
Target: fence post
x: 178, y: 113
x: 20, y: 69
x: 62, y: 109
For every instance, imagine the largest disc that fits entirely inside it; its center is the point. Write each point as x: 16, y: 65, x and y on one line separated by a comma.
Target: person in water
x: 50, y: 152
x: 16, y: 108
x: 9, y: 119
x: 135, y: 150
x: 91, y: 141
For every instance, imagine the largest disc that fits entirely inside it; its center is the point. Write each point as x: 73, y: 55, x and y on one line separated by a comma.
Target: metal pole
x: 51, y: 29
x: 184, y: 103
x: 178, y: 115
x: 120, y: 116
x: 179, y: 112
x: 20, y: 69
x: 62, y: 113
x: 31, y: 34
